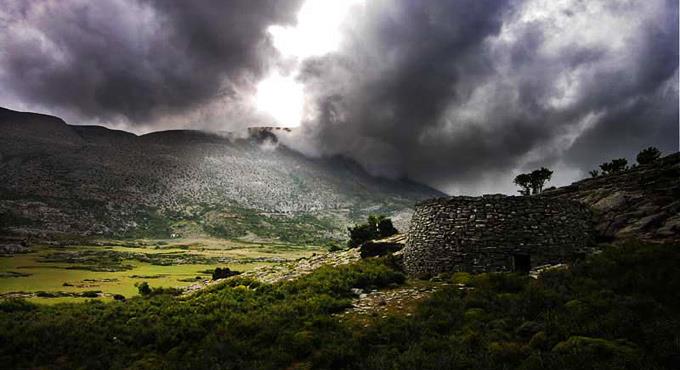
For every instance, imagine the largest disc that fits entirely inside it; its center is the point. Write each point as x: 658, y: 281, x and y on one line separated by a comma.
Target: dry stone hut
x: 495, y: 233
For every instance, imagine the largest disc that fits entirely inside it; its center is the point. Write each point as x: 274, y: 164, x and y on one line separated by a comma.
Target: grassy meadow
x: 59, y: 274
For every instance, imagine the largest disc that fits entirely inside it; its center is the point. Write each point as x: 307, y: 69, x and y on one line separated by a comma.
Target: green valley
x: 51, y: 274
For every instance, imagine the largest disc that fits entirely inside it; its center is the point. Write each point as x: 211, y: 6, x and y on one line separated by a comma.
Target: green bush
x: 90, y: 293
x: 334, y: 247
x: 223, y: 273
x: 143, y: 288
x: 376, y: 227
x: 649, y: 155
x: 615, y: 166
x: 616, y: 310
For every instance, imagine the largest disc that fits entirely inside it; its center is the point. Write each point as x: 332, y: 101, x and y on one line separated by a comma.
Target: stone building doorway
x: 521, y: 263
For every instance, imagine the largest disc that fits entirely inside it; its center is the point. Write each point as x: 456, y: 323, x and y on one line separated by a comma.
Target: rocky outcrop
x: 384, y: 246
x: 642, y: 202
x: 495, y: 233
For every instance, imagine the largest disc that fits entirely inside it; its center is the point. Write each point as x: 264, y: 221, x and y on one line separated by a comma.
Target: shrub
x: 615, y: 166
x: 334, y: 247
x: 376, y: 227
x: 461, y: 278
x: 533, y: 182
x: 166, y: 291
x: 223, y: 273
x: 90, y: 294
x: 649, y: 155
x: 539, y: 341
x: 143, y: 288
x: 16, y: 305
x: 598, y: 347
x: 615, y: 310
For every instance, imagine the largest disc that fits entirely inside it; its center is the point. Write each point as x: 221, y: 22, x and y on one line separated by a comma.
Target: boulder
x: 382, y: 247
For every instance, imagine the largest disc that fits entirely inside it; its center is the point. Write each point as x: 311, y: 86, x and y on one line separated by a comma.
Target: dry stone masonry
x: 495, y: 233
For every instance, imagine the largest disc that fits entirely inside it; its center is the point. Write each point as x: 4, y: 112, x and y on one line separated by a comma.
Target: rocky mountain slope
x: 641, y: 202
x: 57, y: 179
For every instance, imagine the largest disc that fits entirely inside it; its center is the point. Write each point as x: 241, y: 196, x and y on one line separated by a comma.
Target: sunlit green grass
x: 55, y: 277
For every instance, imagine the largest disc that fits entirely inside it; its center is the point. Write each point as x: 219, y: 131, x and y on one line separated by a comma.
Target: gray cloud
x: 461, y: 95
x: 136, y: 61
x: 464, y: 94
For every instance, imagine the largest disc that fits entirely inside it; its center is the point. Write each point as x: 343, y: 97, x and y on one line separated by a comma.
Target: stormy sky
x: 461, y: 95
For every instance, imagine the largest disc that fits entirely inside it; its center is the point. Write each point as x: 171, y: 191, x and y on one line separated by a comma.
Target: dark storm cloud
x: 463, y: 94
x: 135, y: 60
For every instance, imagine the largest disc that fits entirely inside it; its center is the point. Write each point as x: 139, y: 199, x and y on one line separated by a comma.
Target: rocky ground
x: 397, y: 300
x: 642, y: 202
x: 63, y: 180
x: 291, y: 270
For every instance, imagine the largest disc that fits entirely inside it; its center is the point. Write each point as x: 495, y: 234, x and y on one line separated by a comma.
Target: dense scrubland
x: 618, y: 309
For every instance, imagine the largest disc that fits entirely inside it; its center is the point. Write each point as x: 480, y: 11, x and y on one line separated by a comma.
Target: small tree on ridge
x: 649, y: 155
x: 533, y: 182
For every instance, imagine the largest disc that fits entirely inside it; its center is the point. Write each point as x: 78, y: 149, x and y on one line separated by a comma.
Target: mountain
x: 60, y: 180
x: 642, y: 202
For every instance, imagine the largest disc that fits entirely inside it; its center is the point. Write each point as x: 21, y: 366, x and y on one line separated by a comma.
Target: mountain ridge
x: 61, y: 179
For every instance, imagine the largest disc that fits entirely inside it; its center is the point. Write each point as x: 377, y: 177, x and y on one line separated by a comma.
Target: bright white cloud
x: 282, y: 98
x: 317, y: 31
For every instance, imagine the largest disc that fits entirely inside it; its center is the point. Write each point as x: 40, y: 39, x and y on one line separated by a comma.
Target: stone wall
x: 495, y: 233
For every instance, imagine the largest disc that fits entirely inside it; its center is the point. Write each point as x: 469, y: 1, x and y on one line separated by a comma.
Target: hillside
x: 62, y: 180
x: 642, y: 202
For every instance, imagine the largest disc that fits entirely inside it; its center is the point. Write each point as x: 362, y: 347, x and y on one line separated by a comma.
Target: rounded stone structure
x: 495, y: 233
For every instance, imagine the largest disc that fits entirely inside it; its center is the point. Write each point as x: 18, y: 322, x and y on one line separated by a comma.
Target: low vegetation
x: 618, y: 165
x: 376, y: 227
x: 617, y: 310
x: 223, y: 273
x: 649, y: 155
x: 113, y: 267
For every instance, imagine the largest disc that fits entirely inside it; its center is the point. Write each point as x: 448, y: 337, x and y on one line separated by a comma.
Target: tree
x: 539, y: 178
x: 143, y: 288
x: 223, y: 273
x: 386, y: 228
x: 594, y: 173
x: 524, y: 181
x: 376, y: 227
x: 533, y: 182
x: 649, y: 155
x: 615, y: 166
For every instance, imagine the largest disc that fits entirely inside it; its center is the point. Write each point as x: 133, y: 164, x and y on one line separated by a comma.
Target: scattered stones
x: 392, y: 300
x: 291, y: 270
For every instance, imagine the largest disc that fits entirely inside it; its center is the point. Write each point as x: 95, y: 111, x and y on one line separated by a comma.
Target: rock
x: 382, y: 247
x: 641, y: 202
